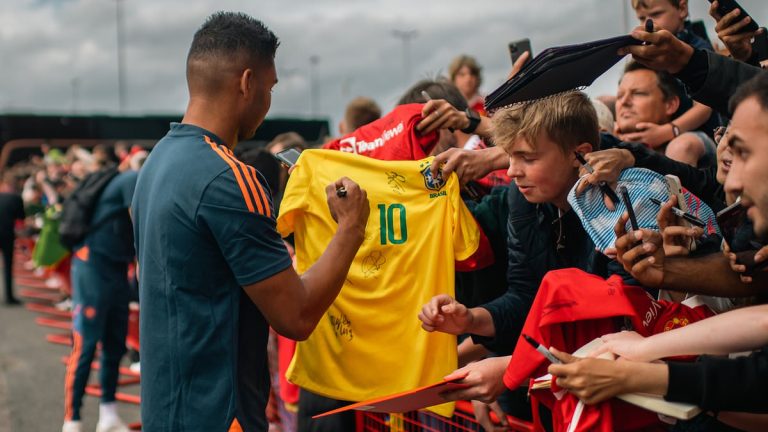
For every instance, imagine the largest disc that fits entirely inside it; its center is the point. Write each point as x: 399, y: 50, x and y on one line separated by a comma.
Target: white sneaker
x: 72, y: 426
x: 112, y: 426
x: 53, y: 282
x: 64, y: 305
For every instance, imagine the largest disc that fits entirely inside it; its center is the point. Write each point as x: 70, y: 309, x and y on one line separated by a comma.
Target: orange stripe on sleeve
x: 238, y: 177
x: 261, y: 190
x: 256, y: 181
x: 253, y: 183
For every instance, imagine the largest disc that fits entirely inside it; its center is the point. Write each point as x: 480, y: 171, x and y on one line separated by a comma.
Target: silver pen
x: 543, y: 351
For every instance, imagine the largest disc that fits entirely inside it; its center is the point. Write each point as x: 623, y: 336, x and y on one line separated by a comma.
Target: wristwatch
x: 474, y: 121
x: 675, y: 130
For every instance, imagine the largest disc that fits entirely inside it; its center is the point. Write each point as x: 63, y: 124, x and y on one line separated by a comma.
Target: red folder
x: 410, y: 400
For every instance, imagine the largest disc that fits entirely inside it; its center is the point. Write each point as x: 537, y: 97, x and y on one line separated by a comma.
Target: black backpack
x: 77, y: 209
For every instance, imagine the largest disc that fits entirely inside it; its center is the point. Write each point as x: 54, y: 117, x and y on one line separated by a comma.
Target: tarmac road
x: 32, y: 378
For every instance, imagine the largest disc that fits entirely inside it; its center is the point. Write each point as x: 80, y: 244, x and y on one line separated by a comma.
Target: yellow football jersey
x: 370, y: 342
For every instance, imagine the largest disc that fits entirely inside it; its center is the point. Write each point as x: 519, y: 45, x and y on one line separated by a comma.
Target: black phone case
x: 726, y: 6
x: 517, y: 48
x: 747, y: 259
x: 729, y: 219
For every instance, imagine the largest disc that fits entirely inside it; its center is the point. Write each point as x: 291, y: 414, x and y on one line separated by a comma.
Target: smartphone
x: 676, y: 189
x: 288, y: 157
x: 747, y: 259
x: 729, y: 219
x: 628, y: 204
x: 760, y: 46
x: 517, y: 48
x: 725, y: 6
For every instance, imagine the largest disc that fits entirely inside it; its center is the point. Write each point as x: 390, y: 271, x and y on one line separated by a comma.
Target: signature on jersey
x: 396, y: 181
x: 341, y: 325
x: 372, y: 263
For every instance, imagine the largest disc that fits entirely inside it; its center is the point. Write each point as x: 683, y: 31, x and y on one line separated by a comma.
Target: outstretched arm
x: 293, y: 305
x: 735, y: 331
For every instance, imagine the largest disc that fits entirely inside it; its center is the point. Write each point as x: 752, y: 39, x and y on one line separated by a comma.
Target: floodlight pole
x: 75, y: 93
x: 314, y: 96
x: 406, y: 36
x: 120, y: 55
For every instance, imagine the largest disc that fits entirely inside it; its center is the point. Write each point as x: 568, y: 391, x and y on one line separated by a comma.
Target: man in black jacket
x: 11, y: 210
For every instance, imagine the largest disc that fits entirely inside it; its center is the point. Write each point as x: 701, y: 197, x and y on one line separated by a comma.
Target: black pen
x: 685, y: 215
x: 648, y: 27
x: 543, y: 351
x: 602, y: 184
x: 341, y: 192
x: 630, y: 210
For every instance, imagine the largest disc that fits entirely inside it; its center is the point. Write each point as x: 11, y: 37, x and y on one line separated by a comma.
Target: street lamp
x: 120, y: 55
x: 75, y: 82
x: 314, y: 96
x: 406, y: 36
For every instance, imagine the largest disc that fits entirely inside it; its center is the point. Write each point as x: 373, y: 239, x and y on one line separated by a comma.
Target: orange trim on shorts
x: 69, y: 378
x: 83, y: 253
x: 238, y: 177
x: 235, y: 426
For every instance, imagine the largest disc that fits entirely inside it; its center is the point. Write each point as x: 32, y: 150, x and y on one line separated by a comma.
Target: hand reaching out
x: 445, y: 314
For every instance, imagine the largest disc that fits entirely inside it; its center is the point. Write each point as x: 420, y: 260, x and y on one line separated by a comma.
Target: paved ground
x: 32, y: 378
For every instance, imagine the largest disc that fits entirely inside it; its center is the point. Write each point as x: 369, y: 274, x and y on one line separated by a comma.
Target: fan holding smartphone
x: 745, y: 40
x: 518, y: 48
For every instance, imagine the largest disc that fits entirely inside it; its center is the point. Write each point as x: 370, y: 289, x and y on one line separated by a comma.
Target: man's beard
x: 761, y: 207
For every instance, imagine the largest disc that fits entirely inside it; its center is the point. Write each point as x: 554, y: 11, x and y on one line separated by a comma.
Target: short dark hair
x: 266, y: 165
x: 231, y: 34
x: 361, y: 111
x: 288, y: 140
x: 668, y: 84
x: 756, y: 87
x: 436, y: 89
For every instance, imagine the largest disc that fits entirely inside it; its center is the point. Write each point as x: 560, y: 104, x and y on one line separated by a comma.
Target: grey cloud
x: 44, y: 44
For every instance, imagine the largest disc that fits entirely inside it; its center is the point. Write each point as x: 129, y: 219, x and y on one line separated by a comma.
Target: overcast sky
x: 60, y: 56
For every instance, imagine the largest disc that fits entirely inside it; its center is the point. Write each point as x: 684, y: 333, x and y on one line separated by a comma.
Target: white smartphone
x: 675, y: 188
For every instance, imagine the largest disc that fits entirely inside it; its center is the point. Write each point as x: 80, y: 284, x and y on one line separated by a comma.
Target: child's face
x: 664, y: 15
x: 542, y: 173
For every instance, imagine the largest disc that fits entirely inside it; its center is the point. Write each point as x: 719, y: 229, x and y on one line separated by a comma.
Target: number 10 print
x: 387, y: 224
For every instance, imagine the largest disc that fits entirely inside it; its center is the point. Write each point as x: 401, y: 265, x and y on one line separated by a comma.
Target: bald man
x: 213, y: 272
